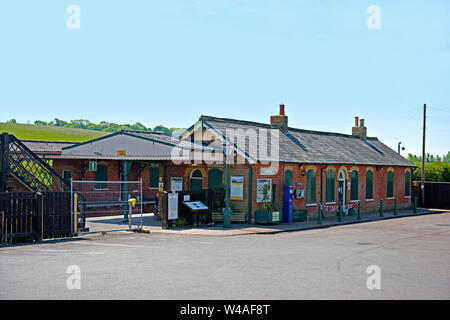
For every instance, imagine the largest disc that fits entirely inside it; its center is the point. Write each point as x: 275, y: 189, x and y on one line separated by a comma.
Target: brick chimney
x: 359, y: 130
x: 281, y: 120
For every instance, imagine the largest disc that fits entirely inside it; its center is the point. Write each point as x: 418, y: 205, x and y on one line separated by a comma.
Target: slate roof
x: 47, y: 147
x: 315, y: 147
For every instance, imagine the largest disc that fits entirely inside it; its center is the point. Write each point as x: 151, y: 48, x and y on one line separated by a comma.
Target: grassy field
x: 33, y: 132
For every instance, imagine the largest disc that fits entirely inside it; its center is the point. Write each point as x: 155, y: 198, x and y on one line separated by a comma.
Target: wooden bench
x: 235, y: 217
x: 299, y: 215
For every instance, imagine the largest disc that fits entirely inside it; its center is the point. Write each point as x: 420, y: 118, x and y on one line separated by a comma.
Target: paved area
x: 152, y: 224
x: 412, y: 254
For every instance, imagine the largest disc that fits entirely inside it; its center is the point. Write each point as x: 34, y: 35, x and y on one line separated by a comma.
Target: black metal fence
x: 437, y: 194
x: 33, y: 216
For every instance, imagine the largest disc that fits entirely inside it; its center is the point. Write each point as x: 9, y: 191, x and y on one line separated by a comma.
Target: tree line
x: 102, y: 126
x: 437, y: 169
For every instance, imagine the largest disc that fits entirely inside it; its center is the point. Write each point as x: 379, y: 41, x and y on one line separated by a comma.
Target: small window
x: 154, y: 177
x: 390, y: 184
x: 101, y: 175
x: 67, y: 175
x: 311, y: 187
x: 354, y: 186
x: 407, y: 184
x: 330, y: 186
x: 369, y: 184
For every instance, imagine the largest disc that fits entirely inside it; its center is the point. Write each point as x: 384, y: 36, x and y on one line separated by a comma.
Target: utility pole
x: 422, y: 184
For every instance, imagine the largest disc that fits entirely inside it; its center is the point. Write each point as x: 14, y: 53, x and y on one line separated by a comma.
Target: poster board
x: 176, y: 184
x: 172, y: 206
x: 237, y: 188
x: 260, y: 190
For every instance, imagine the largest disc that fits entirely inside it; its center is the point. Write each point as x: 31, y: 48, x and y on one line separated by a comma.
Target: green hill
x: 49, y: 133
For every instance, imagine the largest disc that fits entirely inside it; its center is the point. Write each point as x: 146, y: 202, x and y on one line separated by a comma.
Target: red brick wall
x: 298, y: 181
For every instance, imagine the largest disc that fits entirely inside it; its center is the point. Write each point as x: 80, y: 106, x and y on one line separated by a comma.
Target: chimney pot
x: 282, y: 110
x: 356, y: 121
x: 361, y: 123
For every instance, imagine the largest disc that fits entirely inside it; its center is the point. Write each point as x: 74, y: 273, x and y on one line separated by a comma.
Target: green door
x: 214, y: 179
x: 196, y: 180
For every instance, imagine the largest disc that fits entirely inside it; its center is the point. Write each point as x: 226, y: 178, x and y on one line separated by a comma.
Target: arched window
x: 369, y: 185
x: 288, y: 177
x: 196, y: 180
x: 330, y: 186
x: 311, y: 186
x: 390, y: 184
x: 354, y: 186
x: 407, y: 184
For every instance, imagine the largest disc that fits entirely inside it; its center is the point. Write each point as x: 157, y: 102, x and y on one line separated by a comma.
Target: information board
x: 172, y: 206
x: 237, y: 188
x: 196, y: 205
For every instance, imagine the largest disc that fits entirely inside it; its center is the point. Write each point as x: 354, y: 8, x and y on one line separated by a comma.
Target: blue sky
x: 168, y: 62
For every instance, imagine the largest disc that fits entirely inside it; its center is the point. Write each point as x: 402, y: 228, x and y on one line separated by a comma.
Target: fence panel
x: 437, y: 194
x: 18, y: 216
x: 57, y: 215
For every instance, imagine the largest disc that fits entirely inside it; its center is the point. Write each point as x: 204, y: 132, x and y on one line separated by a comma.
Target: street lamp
x: 403, y: 148
x: 227, y: 213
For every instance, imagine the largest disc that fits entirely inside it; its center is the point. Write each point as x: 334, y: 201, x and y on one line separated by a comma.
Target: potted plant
x: 269, y: 213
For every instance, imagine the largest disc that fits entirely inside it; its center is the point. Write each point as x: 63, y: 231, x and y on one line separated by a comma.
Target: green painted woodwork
x: 407, y: 184
x: 369, y: 184
x: 311, y: 186
x: 101, y: 175
x: 154, y: 177
x: 390, y: 184
x: 215, y: 178
x: 288, y: 177
x: 354, y: 186
x: 196, y: 180
x: 330, y: 186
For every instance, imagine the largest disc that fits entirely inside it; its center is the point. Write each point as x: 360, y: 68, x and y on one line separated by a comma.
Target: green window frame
x: 407, y: 184
x: 390, y: 184
x: 154, y: 177
x: 101, y: 174
x: 196, y: 180
x: 330, y: 186
x: 288, y: 177
x: 67, y: 175
x: 311, y: 187
x: 354, y: 185
x: 369, y: 185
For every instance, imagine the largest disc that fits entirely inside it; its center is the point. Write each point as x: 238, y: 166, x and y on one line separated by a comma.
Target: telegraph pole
x: 422, y: 184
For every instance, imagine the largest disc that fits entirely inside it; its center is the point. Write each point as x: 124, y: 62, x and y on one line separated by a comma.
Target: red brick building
x: 321, y: 167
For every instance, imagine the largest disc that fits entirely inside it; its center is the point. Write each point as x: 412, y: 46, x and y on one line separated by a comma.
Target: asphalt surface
x: 412, y: 254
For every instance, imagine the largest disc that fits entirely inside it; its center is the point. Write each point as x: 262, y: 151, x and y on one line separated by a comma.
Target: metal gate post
x: 71, y: 207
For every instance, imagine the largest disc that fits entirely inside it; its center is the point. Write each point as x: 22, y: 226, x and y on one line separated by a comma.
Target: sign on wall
x: 176, y: 184
x: 172, y: 206
x: 92, y: 165
x: 121, y: 153
x: 237, y: 188
x: 260, y: 190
